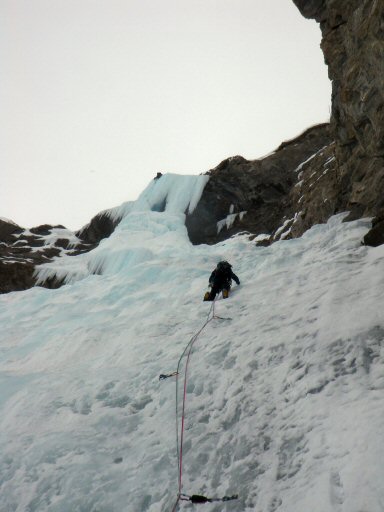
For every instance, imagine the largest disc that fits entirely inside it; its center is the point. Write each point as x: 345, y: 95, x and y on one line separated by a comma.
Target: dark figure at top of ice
x: 221, y: 280
x: 158, y: 175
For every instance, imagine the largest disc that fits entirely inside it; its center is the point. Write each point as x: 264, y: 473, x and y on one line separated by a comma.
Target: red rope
x: 183, y: 417
x: 180, y: 449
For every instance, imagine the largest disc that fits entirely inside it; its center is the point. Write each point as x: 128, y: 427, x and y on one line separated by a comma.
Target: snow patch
x: 60, y: 233
x: 330, y: 159
x: 283, y: 227
x: 299, y: 168
x: 229, y: 220
x: 261, y: 237
x: 8, y: 221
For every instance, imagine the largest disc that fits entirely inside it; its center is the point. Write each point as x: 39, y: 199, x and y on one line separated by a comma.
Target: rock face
x: 256, y: 196
x: 21, y: 250
x: 101, y: 226
x: 346, y: 175
x: 353, y: 46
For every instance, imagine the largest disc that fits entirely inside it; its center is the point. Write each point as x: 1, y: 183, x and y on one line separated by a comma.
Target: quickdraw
x: 164, y: 376
x: 197, y: 498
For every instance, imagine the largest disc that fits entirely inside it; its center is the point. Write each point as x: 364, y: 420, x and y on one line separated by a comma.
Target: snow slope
x: 285, y: 402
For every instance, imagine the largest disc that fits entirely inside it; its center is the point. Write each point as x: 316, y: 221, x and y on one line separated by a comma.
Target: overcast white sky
x: 97, y: 96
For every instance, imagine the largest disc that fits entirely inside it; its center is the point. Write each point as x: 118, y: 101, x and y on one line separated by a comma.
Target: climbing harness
x: 195, y: 498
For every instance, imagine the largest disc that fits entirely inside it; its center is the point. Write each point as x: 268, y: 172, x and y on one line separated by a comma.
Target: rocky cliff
x: 343, y: 173
x: 21, y: 250
x: 264, y: 196
x: 353, y: 46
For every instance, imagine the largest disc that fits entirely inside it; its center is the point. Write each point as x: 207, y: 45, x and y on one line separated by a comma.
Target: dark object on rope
x: 163, y: 376
x: 196, y: 498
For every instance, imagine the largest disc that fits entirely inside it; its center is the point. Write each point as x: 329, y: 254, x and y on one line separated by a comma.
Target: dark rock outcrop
x: 375, y: 236
x: 21, y: 250
x: 8, y: 231
x: 101, y: 226
x: 255, y: 196
x: 16, y: 276
x: 353, y: 46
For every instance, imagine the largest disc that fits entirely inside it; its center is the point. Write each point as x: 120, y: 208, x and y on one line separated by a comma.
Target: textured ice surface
x: 158, y: 213
x: 285, y: 402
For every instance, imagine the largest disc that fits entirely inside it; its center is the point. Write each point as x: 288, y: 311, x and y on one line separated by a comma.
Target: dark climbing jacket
x: 222, y: 276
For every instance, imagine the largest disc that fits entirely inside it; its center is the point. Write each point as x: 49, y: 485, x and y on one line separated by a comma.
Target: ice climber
x: 220, y: 280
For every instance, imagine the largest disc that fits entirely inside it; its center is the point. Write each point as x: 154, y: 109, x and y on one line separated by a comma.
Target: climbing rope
x: 195, y: 498
x: 188, y: 351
